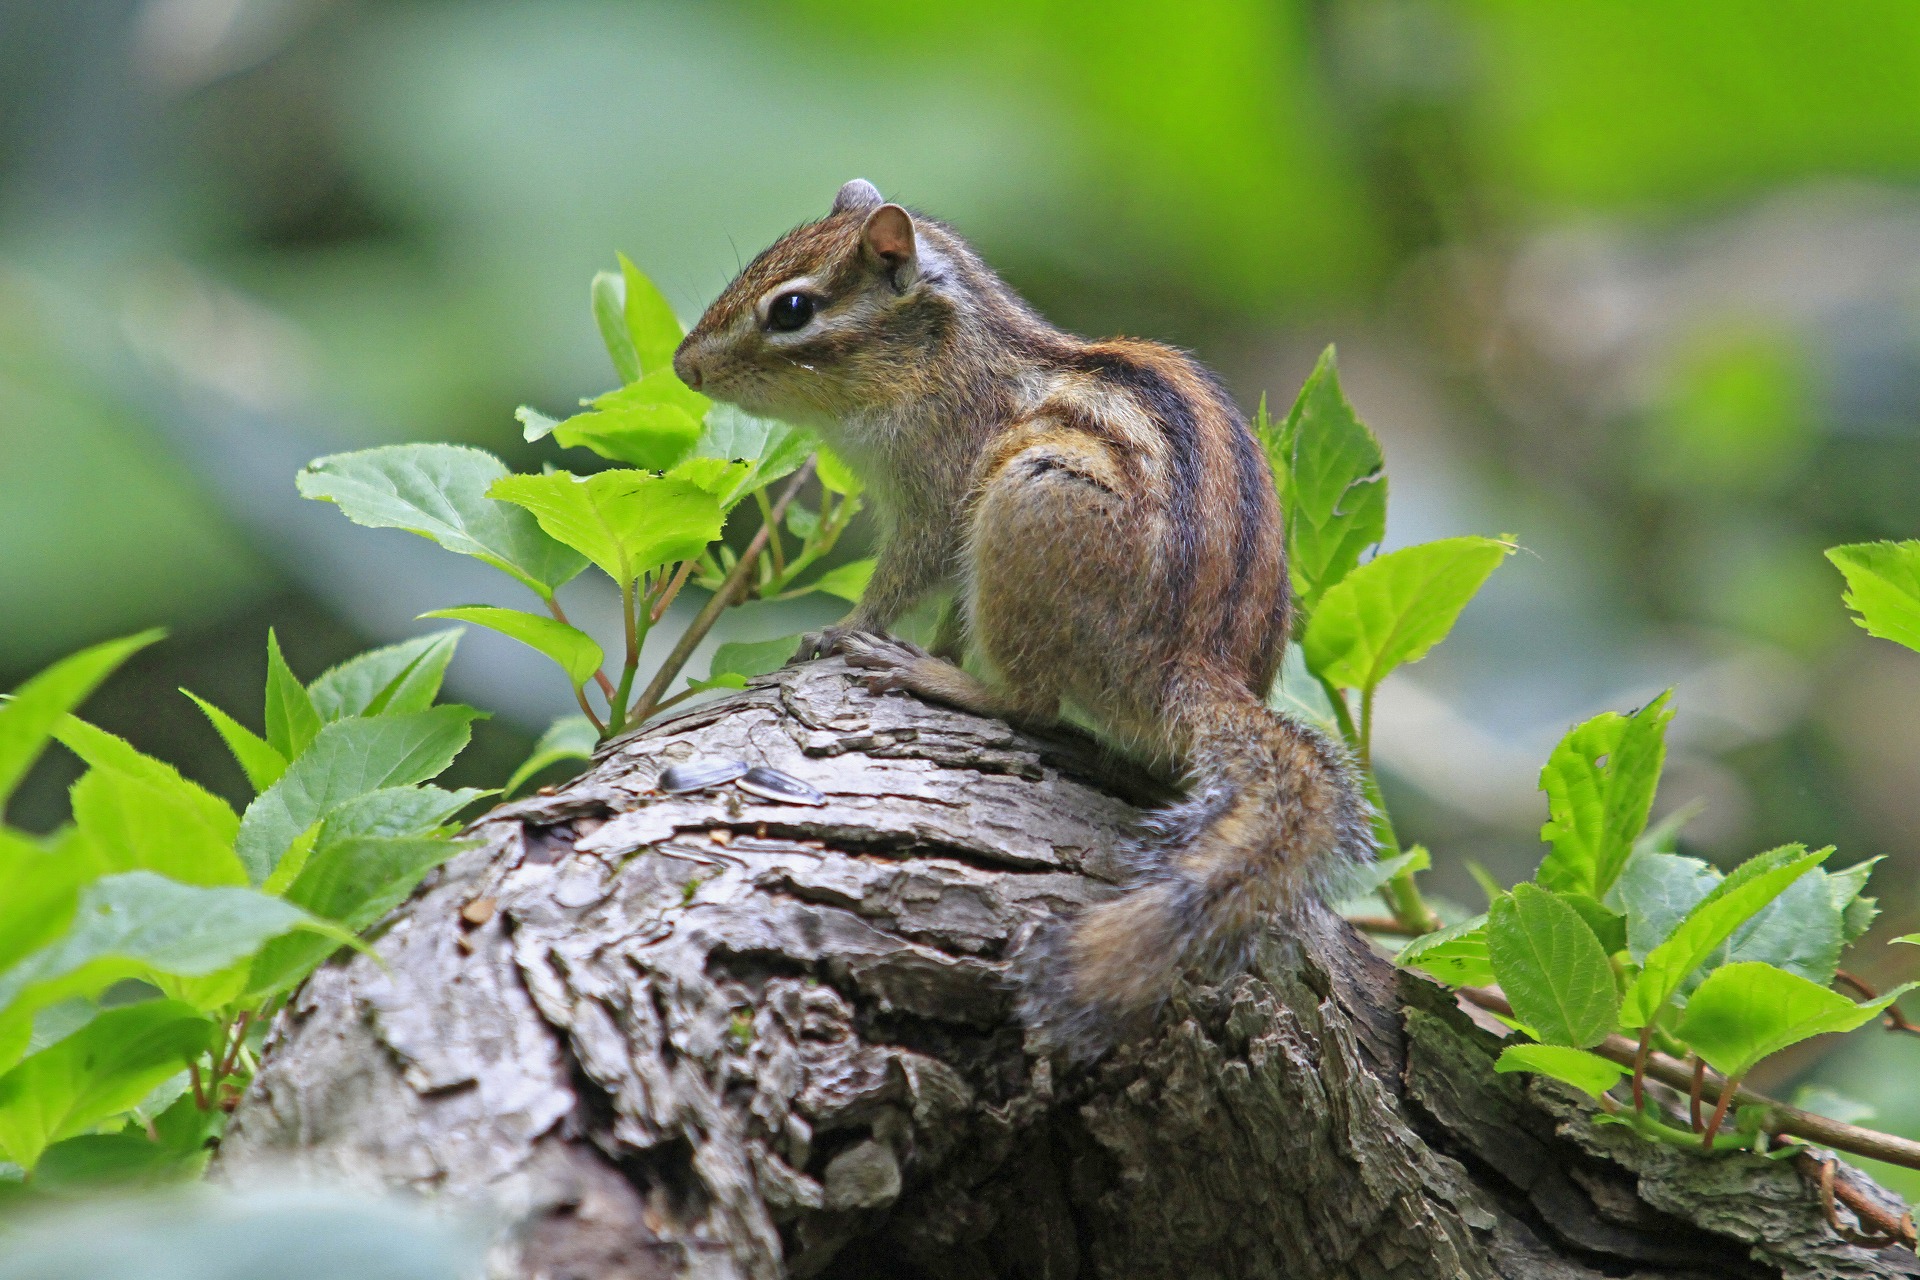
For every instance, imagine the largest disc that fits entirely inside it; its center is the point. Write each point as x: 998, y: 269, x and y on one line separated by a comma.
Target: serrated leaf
x: 835, y: 475
x: 849, y: 581
x: 136, y: 813
x: 770, y: 448
x: 350, y: 758
x: 396, y: 811
x: 568, y: 738
x: 652, y: 423
x: 1744, y: 1012
x: 1883, y: 588
x: 534, y: 425
x: 609, y: 295
x: 353, y: 882
x: 28, y: 717
x: 97, y: 1072
x: 1456, y: 955
x: 1656, y: 891
x: 255, y: 756
x: 576, y: 651
x: 1857, y: 911
x: 753, y: 657
x: 655, y: 331
x: 1395, y: 608
x: 1800, y: 931
x: 397, y: 677
x: 1588, y: 1072
x: 1332, y: 482
x: 626, y: 522
x: 1608, y: 925
x: 1552, y: 968
x: 1708, y: 924
x: 1600, y: 783
x: 291, y: 720
x: 138, y: 924
x: 439, y: 491
x: 724, y: 478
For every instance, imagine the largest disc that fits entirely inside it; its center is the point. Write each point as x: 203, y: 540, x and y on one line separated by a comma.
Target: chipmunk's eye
x: 789, y: 311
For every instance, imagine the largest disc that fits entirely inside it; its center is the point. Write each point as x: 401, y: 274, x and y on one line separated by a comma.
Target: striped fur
x: 1111, y: 531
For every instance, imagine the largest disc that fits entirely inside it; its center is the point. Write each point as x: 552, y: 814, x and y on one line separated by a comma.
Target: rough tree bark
x: 714, y: 1036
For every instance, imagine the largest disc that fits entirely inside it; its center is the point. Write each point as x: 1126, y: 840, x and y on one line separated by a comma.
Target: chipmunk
x: 1112, y: 533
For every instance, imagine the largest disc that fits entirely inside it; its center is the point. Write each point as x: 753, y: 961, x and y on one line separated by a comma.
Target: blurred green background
x: 1638, y: 283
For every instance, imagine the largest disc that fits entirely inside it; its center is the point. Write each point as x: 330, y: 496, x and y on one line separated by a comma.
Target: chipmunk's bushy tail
x: 1273, y: 812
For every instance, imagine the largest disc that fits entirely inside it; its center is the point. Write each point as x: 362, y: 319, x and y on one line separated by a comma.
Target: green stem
x: 773, y: 538
x: 617, y: 709
x: 1400, y: 894
x: 600, y: 677
x: 711, y: 611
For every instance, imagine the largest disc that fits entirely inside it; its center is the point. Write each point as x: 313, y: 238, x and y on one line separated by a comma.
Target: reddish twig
x: 1693, y: 1093
x: 1896, y: 1021
x: 1883, y: 1229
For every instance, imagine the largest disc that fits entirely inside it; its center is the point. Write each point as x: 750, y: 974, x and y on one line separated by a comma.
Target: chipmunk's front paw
x: 828, y: 642
x: 890, y: 663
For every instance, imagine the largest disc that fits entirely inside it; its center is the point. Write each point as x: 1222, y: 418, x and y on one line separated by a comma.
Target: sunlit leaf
x: 39, y: 889
x: 28, y: 717
x: 835, y: 475
x: 397, y: 811
x: 849, y: 581
x: 626, y: 522
x: 1600, y: 783
x: 148, y: 817
x: 652, y: 423
x: 256, y: 758
x: 1393, y: 609
x: 1588, y: 1072
x: 1743, y: 1012
x: 1552, y: 968
x: 1656, y: 891
x: 1883, y: 588
x: 609, y: 296
x: 1333, y: 488
x: 654, y: 329
x: 1456, y: 955
x: 568, y: 738
x: 576, y: 651
x: 439, y: 491
x: 770, y: 448
x: 1709, y: 923
x: 291, y: 720
x: 97, y: 1072
x: 753, y: 657
x: 397, y: 677
x: 350, y: 758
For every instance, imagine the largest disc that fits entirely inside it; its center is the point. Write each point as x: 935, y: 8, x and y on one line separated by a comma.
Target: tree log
x: 711, y: 1035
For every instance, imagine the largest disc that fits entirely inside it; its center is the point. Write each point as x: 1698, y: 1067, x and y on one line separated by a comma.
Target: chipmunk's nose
x: 686, y: 366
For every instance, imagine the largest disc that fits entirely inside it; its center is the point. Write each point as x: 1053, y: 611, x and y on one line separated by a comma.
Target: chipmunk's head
x: 838, y: 315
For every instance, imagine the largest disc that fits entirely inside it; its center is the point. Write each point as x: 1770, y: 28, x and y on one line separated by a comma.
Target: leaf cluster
x: 143, y: 944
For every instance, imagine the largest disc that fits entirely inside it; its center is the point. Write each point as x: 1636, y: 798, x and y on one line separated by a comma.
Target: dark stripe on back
x: 1171, y: 411
x: 1254, y: 499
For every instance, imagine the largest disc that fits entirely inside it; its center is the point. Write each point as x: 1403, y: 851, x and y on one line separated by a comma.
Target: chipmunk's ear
x: 858, y: 194
x: 888, y: 236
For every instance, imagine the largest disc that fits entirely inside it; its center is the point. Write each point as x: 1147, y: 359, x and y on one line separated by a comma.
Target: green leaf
x: 1710, y: 922
x: 1857, y: 910
x: 1393, y: 609
x: 1745, y: 1011
x: 835, y: 475
x: 39, y: 890
x: 724, y: 478
x: 1333, y: 486
x: 439, y: 491
x: 1883, y: 588
x: 610, y: 315
x: 397, y: 811
x: 398, y: 677
x: 1600, y: 782
x: 28, y: 717
x: 1552, y: 968
x: 534, y: 425
x: 1801, y: 931
x: 1297, y: 694
x: 753, y: 657
x: 652, y: 423
x: 258, y: 760
x: 350, y: 758
x: 129, y: 1158
x: 135, y: 813
x: 1588, y: 1072
x: 1656, y: 891
x: 99, y: 1071
x: 1456, y: 955
x: 770, y: 448
x: 1364, y: 880
x: 650, y: 321
x: 626, y: 522
x: 568, y: 738
x: 138, y: 924
x: 569, y: 646
x: 849, y: 581
x: 353, y: 882
x: 291, y: 720
x: 1608, y: 925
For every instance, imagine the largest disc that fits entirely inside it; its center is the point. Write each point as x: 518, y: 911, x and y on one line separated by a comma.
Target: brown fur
x: 1112, y: 533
